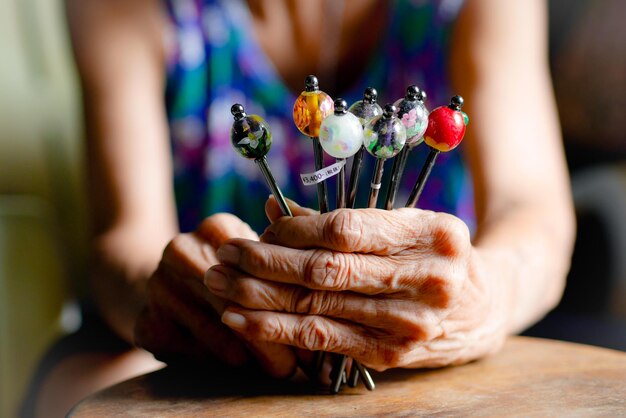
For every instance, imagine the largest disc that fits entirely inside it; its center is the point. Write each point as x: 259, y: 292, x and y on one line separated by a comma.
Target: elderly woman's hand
x: 401, y: 288
x: 181, y: 322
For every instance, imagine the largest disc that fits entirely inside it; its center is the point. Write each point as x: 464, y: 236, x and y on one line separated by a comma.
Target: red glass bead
x: 446, y: 128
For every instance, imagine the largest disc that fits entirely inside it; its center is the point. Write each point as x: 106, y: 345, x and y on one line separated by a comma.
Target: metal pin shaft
x: 366, y: 378
x: 341, y: 186
x: 271, y: 182
x: 377, y: 179
x: 353, y: 380
x: 339, y: 373
x: 399, y: 163
x: 421, y: 179
x: 355, y: 172
x: 322, y: 192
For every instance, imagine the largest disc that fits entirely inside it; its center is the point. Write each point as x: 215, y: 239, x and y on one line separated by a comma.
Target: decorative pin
x: 309, y: 110
x: 365, y: 376
x: 446, y: 128
x: 385, y: 137
x: 341, y: 136
x: 414, y: 116
x: 250, y: 135
x: 366, y: 110
x: 353, y: 380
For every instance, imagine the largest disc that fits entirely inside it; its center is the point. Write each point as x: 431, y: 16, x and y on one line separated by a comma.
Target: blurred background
x: 43, y: 214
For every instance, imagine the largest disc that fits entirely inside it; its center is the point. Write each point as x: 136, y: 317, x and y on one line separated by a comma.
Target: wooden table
x: 529, y: 377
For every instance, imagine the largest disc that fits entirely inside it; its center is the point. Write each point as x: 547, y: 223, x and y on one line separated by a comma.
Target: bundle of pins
x: 344, y: 133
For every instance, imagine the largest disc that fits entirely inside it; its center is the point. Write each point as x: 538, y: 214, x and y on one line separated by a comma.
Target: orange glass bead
x: 310, y: 109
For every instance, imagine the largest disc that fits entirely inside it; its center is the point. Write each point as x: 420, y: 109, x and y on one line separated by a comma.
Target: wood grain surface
x: 529, y: 377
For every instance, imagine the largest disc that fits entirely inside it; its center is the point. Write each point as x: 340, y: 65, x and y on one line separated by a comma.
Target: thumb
x: 273, y: 212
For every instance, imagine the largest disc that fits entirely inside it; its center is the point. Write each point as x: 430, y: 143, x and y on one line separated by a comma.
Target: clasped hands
x: 401, y: 288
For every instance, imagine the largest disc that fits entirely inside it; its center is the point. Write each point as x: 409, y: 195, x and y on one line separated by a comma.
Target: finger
x: 313, y: 333
x: 218, y: 228
x: 169, y: 342
x: 205, y: 328
x: 201, y: 322
x: 373, y: 231
x: 314, y: 269
x: 407, y: 317
x: 379, y: 351
x: 277, y: 360
x: 189, y: 255
x: 375, y: 349
x: 412, y: 275
x: 273, y: 211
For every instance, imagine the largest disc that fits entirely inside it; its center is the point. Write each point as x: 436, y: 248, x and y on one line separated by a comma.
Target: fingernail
x: 216, y: 281
x: 228, y: 254
x: 234, y: 320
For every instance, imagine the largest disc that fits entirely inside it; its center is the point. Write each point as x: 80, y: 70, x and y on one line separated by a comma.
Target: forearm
x: 122, y: 261
x: 119, y: 53
x: 523, y: 203
x: 527, y: 250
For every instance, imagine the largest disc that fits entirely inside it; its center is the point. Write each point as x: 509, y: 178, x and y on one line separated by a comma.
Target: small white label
x: 311, y: 179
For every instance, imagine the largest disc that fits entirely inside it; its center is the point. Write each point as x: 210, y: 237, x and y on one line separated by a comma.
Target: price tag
x: 311, y: 179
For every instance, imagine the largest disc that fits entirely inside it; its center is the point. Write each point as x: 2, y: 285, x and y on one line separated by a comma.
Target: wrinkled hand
x: 181, y: 322
x: 401, y: 288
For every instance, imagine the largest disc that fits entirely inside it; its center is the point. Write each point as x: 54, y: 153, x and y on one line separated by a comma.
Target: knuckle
x: 330, y: 303
x: 327, y: 270
x: 253, y: 258
x: 218, y: 223
x: 313, y: 334
x: 442, y: 290
x: 244, y: 292
x: 394, y: 279
x: 437, y: 291
x: 176, y: 248
x: 314, y: 302
x: 343, y: 230
x: 185, y: 254
x: 220, y: 219
x: 451, y: 236
x: 302, y: 301
x: 209, y: 224
x: 218, y: 228
x: 266, y: 328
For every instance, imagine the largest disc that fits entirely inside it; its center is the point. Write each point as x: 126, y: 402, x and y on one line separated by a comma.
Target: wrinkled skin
x: 401, y: 288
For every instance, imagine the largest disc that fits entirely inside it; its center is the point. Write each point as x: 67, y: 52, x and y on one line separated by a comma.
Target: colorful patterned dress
x: 216, y: 62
